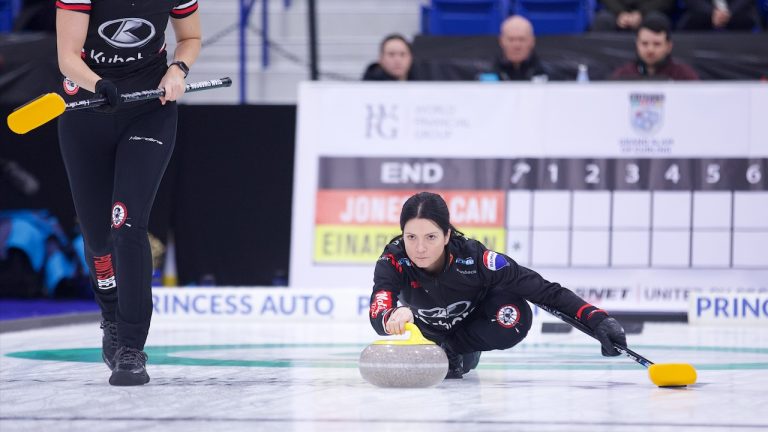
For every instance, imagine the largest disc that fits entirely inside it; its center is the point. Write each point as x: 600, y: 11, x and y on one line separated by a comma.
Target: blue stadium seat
x: 557, y: 16
x: 464, y: 17
x: 9, y: 9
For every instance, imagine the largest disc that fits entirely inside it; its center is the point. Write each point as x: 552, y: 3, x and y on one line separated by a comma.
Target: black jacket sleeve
x: 499, y: 269
x: 387, y: 281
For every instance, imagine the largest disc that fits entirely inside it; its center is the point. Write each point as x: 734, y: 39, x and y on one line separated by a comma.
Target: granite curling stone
x: 415, y: 362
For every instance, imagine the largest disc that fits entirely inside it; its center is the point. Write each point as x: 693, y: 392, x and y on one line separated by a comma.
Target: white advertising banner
x: 260, y: 304
x: 728, y: 308
x: 634, y: 195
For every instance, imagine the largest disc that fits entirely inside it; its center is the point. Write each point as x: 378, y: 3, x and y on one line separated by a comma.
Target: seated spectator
x: 395, y: 61
x: 518, y: 61
x: 654, y: 54
x: 720, y: 14
x: 628, y: 14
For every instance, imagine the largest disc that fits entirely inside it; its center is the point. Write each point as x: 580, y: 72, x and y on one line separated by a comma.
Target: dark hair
x: 428, y: 205
x: 395, y: 36
x: 657, y: 23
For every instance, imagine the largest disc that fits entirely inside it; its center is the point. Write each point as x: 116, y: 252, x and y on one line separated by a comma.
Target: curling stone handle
x: 416, y: 338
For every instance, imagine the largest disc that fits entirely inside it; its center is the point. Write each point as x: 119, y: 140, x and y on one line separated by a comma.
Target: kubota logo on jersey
x: 127, y: 32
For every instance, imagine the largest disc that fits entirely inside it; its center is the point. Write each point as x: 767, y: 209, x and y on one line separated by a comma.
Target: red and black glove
x: 606, y: 329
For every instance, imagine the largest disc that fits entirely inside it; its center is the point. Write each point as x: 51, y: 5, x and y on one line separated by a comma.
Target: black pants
x: 115, y: 163
x: 499, y: 322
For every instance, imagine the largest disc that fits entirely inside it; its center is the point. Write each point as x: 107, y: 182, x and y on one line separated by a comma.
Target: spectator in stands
x: 720, y: 14
x: 395, y: 61
x: 519, y: 61
x: 628, y: 14
x: 654, y: 54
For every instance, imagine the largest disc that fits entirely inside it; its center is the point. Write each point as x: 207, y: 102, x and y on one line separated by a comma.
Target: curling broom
x: 661, y: 374
x: 47, y: 107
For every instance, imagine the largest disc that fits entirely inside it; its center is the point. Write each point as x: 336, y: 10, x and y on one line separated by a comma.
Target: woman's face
x: 425, y: 244
x: 395, y: 58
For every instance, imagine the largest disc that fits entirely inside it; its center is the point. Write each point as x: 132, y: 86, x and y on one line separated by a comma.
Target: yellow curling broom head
x: 415, y: 338
x: 36, y: 113
x: 672, y: 374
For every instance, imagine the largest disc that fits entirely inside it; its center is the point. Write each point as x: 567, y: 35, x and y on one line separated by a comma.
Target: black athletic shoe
x: 455, y: 363
x: 471, y: 360
x: 109, y: 343
x: 130, y: 368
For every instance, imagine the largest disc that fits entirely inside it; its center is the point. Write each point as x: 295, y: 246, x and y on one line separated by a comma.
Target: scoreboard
x: 637, y: 193
x: 595, y: 212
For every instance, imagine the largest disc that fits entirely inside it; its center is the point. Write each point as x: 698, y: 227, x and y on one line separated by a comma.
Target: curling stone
x: 406, y: 363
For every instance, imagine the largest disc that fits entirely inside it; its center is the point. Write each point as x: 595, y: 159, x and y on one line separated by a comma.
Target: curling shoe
x: 130, y: 368
x: 471, y: 360
x: 455, y: 363
x: 109, y: 343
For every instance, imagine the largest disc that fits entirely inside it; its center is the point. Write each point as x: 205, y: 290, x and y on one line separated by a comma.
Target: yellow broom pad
x: 36, y: 113
x: 672, y: 374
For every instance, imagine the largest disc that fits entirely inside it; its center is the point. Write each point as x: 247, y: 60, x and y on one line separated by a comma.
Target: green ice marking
x: 175, y: 355
x: 164, y: 355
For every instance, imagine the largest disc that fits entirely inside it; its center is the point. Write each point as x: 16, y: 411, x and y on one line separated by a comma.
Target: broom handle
x: 149, y: 94
x: 584, y: 329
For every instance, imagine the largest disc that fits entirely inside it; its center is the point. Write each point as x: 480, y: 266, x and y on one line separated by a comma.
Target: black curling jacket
x: 443, y: 301
x: 125, y: 41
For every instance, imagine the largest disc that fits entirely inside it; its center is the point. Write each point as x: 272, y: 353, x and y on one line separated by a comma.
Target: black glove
x: 107, y: 89
x: 608, y: 332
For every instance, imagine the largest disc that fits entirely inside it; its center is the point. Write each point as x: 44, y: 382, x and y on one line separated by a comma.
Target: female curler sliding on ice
x: 462, y: 296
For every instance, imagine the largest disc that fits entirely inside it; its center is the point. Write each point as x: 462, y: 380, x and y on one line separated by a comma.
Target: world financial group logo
x: 646, y: 112
x: 381, y: 121
x: 127, y: 32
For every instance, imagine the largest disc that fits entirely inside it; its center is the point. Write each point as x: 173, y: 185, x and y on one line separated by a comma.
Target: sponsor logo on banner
x: 70, y: 87
x: 646, y: 117
x: 266, y: 303
x: 381, y: 121
x: 494, y: 261
x: 646, y: 112
x: 728, y: 308
x: 438, y: 122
